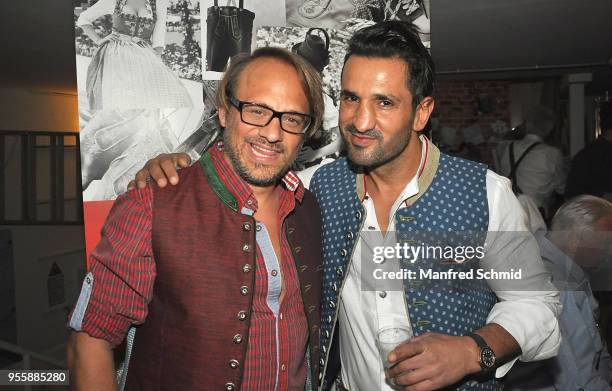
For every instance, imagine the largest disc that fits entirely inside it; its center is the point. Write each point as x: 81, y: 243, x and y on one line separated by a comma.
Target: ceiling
x: 470, y: 38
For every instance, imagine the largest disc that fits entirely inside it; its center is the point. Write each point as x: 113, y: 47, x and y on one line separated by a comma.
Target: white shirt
x: 541, y: 171
x: 529, y: 316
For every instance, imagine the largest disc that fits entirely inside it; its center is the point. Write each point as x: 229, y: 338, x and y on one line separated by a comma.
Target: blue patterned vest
x: 452, y: 198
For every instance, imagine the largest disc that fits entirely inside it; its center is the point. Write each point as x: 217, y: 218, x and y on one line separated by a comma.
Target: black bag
x: 229, y: 31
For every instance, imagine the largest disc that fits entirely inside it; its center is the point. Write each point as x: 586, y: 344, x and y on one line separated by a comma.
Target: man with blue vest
x: 395, y: 185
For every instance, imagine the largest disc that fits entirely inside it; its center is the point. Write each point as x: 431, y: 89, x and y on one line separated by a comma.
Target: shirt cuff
x: 534, y: 326
x: 98, y: 324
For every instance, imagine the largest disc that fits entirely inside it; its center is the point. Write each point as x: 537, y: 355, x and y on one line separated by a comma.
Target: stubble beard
x: 269, y: 176
x: 379, y: 154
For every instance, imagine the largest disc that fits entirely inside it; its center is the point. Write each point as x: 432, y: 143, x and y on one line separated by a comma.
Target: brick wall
x: 460, y: 104
x: 457, y: 102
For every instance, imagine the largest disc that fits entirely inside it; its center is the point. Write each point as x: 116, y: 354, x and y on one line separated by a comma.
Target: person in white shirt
x: 387, y: 82
x: 583, y: 362
x: 535, y: 167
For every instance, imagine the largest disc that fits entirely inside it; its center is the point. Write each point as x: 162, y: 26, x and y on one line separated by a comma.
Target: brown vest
x: 195, y: 335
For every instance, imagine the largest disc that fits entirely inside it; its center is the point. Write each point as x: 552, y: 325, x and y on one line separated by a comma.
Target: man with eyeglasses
x: 222, y: 274
x: 396, y: 188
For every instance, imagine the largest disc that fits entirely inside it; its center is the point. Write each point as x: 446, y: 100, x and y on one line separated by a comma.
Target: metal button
x: 258, y: 228
x: 339, y: 271
x: 244, y: 290
x: 322, y: 361
x: 320, y: 376
x: 332, y: 304
x: 358, y: 214
x: 335, y: 287
x: 246, y: 268
x: 327, y: 334
x: 329, y: 319
x: 234, y: 364
x: 324, y: 349
x: 382, y: 294
x: 349, y: 235
x: 237, y: 339
x: 297, y: 250
x: 246, y: 247
x: 246, y: 226
x: 230, y: 387
x: 88, y: 280
x: 290, y: 230
x: 343, y: 252
x: 283, y: 367
x: 242, y: 315
x: 249, y: 202
x: 274, y: 273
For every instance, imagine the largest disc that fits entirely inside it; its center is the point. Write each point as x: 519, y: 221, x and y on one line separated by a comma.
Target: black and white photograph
x: 230, y: 29
x: 140, y: 91
x: 339, y: 14
x: 324, y: 50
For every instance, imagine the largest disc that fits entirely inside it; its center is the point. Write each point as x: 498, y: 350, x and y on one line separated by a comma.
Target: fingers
x: 156, y: 172
x: 415, y: 376
x: 162, y: 169
x: 405, y: 350
x: 182, y: 159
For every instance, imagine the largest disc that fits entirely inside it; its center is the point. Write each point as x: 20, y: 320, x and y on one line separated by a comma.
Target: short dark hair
x: 310, y: 78
x: 394, y: 38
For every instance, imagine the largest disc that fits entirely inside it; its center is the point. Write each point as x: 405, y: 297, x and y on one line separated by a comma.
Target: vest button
x: 382, y: 294
x: 237, y: 339
x: 234, y: 364
x: 339, y: 271
x: 332, y: 304
x: 230, y: 387
x: 246, y: 226
x: 343, y: 252
x: 244, y: 290
x: 242, y: 315
x: 327, y: 334
x: 350, y: 236
x: 246, y: 248
x: 246, y: 268
x: 322, y: 361
x: 335, y: 287
x: 358, y: 214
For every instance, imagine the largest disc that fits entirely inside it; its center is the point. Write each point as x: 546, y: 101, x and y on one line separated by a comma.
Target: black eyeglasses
x: 256, y: 115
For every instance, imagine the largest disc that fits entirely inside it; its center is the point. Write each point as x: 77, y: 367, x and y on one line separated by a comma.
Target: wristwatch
x: 486, y: 359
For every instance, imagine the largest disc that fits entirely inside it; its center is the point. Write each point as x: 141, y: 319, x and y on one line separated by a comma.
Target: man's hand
x: 162, y: 169
x: 431, y: 361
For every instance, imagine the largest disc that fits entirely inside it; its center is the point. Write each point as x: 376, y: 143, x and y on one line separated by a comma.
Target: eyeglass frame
x: 239, y: 104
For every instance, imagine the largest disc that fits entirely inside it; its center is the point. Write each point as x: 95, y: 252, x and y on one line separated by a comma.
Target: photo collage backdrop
x: 147, y: 73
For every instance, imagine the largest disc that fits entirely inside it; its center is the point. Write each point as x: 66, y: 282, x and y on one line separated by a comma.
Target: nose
x: 272, y: 132
x: 364, y: 118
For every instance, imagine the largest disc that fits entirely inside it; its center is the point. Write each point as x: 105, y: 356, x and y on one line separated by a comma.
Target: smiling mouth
x: 262, y: 152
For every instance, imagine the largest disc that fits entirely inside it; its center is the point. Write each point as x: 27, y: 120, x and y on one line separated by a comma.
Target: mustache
x: 277, y: 147
x: 373, y: 133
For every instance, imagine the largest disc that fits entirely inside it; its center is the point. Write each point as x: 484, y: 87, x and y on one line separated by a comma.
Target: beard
x: 257, y: 174
x: 380, y: 153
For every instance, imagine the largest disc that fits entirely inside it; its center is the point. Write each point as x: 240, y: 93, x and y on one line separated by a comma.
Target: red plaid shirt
x: 124, y: 271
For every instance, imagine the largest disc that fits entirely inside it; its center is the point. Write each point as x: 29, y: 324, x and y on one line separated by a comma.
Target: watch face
x: 487, y: 358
